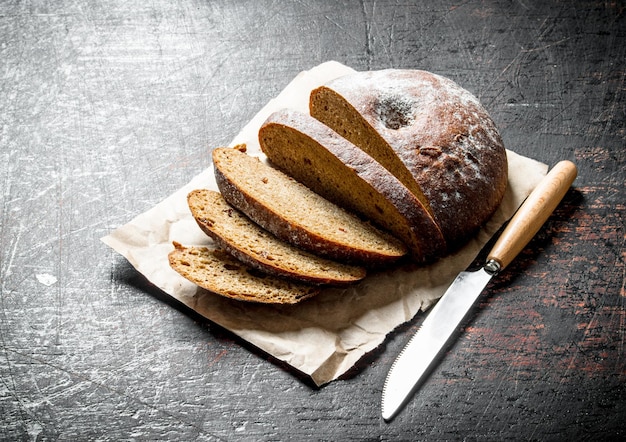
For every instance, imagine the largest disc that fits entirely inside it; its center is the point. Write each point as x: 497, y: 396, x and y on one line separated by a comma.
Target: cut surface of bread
x: 218, y: 272
x: 432, y: 134
x: 253, y: 245
x: 329, y: 164
x: 297, y: 215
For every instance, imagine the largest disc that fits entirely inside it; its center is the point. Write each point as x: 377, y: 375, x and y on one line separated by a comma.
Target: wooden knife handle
x: 533, y: 213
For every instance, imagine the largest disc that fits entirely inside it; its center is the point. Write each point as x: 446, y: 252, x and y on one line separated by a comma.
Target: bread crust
x: 439, y: 132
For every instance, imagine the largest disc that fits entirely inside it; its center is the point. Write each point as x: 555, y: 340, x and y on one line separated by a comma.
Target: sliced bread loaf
x: 432, y: 134
x: 297, y: 215
x: 218, y: 272
x: 332, y: 166
x: 258, y: 248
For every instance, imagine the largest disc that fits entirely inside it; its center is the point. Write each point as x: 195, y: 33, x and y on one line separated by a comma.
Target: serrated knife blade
x: 419, y: 354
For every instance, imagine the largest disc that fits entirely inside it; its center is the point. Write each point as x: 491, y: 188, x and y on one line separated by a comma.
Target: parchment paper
x: 325, y: 336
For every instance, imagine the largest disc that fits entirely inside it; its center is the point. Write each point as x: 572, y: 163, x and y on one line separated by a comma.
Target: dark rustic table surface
x: 107, y: 107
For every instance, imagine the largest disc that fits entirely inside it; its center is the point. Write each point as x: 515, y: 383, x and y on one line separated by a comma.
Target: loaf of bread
x: 315, y: 155
x: 410, y: 151
x: 221, y: 273
x: 297, y: 215
x: 256, y: 247
x: 433, y: 135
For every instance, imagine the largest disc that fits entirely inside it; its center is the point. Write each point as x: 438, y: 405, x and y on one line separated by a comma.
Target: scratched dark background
x: 107, y: 107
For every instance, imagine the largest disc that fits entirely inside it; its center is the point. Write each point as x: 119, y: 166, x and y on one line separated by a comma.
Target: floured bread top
x: 437, y: 130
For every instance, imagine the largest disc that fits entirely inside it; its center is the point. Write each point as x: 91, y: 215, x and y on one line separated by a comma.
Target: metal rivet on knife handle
x: 533, y: 213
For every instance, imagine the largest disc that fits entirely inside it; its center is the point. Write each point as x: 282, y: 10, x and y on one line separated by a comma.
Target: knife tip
x: 388, y: 413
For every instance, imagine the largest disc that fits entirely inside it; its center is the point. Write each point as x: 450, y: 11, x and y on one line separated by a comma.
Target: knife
x: 444, y: 319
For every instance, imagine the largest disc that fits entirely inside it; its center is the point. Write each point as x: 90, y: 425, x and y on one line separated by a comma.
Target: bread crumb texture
x: 257, y: 247
x: 332, y: 166
x: 218, y: 272
x: 297, y: 215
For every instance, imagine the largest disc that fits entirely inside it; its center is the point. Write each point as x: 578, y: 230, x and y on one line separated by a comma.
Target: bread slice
x: 297, y: 215
x: 256, y: 247
x: 428, y: 131
x: 220, y: 273
x: 329, y: 164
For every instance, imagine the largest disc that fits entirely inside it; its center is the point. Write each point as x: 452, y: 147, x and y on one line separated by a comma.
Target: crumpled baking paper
x: 324, y: 336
